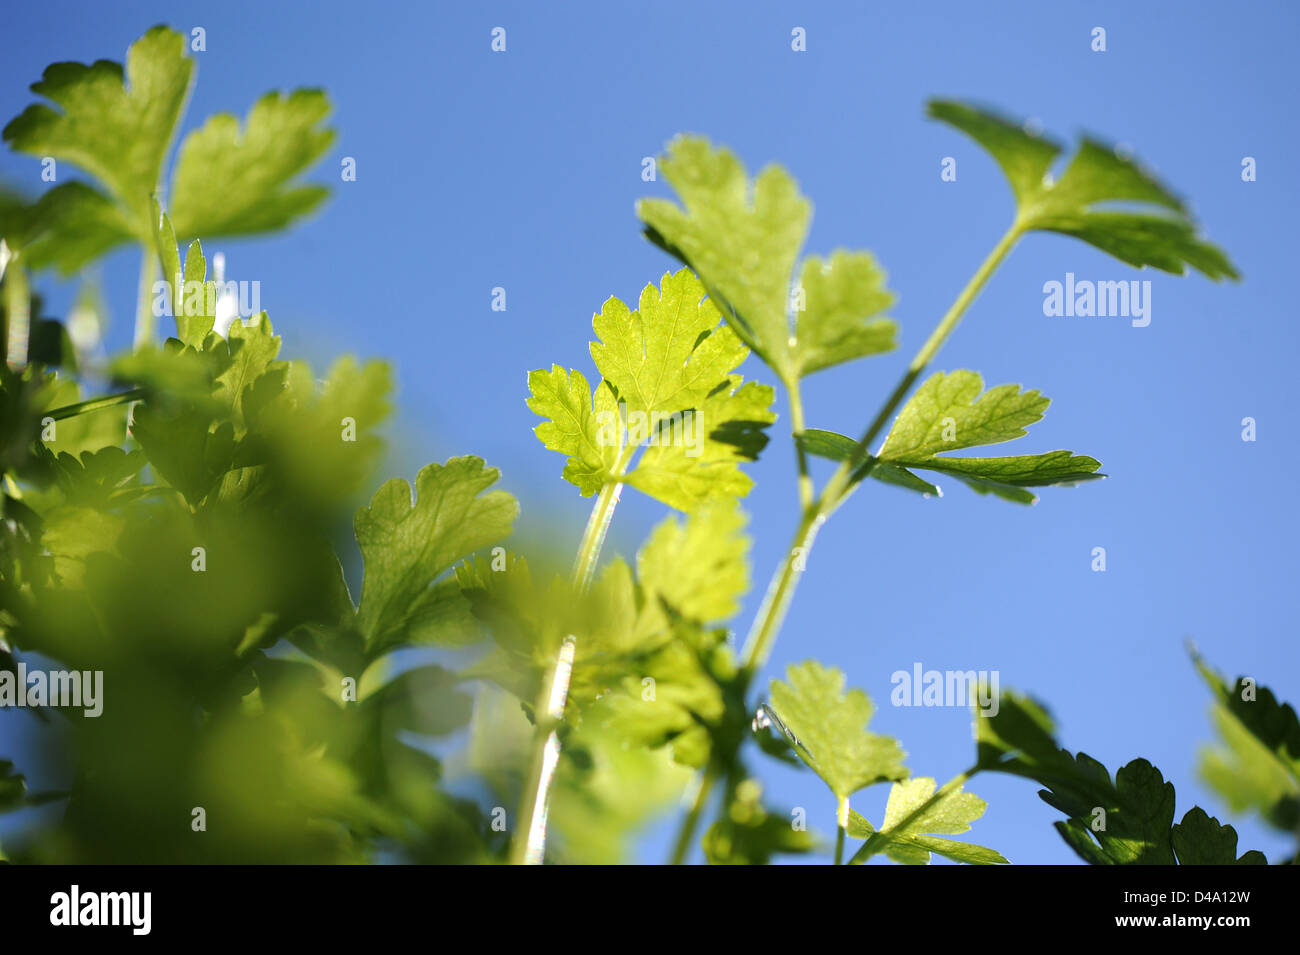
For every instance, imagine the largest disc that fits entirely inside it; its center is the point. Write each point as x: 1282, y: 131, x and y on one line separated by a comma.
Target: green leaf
x: 169, y: 374
x: 169, y: 258
x: 748, y: 833
x: 1025, y: 157
x: 422, y: 700
x: 252, y: 348
x: 1137, y: 826
x: 949, y: 412
x: 667, y: 394
x: 999, y: 414
x: 1200, y: 840
x: 1028, y: 470
x: 699, y: 567
x: 838, y: 323
x: 320, y: 439
x: 116, y: 126
x: 1127, y: 822
x: 233, y: 181
x: 1136, y: 810
x: 100, y: 479
x: 830, y: 726
x: 186, y: 448
x: 72, y: 534
x: 407, y: 545
x: 83, y: 432
x: 690, y: 573
x: 598, y: 807
x: 668, y: 355
x: 743, y: 239
x: 839, y: 447
x: 196, y: 301
x: 950, y: 814
x: 1080, y: 204
x: 1020, y: 729
x: 565, y: 399
x: 696, y: 462
x: 1256, y: 764
x: 67, y: 227
x: 691, y: 669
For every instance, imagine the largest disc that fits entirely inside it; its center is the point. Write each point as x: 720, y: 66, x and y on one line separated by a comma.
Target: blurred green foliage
x: 176, y: 518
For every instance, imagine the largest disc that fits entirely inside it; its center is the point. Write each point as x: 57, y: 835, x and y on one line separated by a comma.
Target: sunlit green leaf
x: 234, y: 179
x: 909, y: 823
x: 1081, y: 203
x: 116, y: 125
x: 831, y: 727
x: 743, y: 238
x: 408, y: 544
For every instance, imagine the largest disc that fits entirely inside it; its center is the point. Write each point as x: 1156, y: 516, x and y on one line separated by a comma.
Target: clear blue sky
x: 521, y: 169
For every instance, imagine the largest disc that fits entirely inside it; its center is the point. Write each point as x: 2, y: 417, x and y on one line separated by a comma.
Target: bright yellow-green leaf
x: 838, y: 322
x: 831, y: 728
x: 952, y: 411
x: 700, y: 464
x: 565, y: 399
x: 699, y: 566
x: 670, y: 353
x: 233, y: 180
x: 116, y: 126
x: 951, y: 814
x: 667, y: 395
x: 743, y: 239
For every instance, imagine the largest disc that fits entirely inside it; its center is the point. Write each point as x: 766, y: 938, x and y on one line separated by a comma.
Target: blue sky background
x: 521, y: 169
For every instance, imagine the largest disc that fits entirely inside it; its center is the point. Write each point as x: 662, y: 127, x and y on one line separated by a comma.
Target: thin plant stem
x: 682, y: 847
x: 841, y: 827
x: 780, y: 592
x: 801, y: 456
x: 593, y: 537
x: 772, y: 614
x: 529, y: 847
x: 145, y: 324
x: 95, y: 404
x: 18, y: 307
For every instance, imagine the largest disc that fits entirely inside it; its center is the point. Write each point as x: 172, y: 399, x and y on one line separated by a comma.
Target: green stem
x: 801, y: 456
x: 776, y: 602
x: 593, y: 538
x: 18, y: 306
x: 95, y: 404
x: 841, y: 481
x: 529, y: 846
x: 772, y: 614
x: 879, y: 839
x: 841, y: 827
x: 145, y: 324
x: 780, y: 592
x: 682, y: 848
